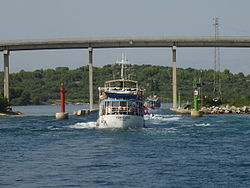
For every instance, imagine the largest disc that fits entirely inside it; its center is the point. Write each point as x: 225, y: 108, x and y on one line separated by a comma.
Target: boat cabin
x: 121, y: 85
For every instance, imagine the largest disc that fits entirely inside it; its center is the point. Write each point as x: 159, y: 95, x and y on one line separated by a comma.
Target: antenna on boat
x: 122, y: 69
x: 122, y: 62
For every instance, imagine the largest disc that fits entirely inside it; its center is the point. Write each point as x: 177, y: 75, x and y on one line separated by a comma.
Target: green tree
x: 4, y: 104
x: 42, y: 86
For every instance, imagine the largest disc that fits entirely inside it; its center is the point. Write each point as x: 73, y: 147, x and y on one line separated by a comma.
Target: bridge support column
x: 174, y: 77
x: 6, y: 57
x: 90, y: 78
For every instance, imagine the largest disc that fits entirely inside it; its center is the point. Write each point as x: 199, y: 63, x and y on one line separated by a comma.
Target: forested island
x: 42, y: 86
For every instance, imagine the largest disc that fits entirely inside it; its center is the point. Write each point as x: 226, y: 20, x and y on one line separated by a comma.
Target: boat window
x: 141, y: 111
x: 115, y: 106
x: 122, y: 109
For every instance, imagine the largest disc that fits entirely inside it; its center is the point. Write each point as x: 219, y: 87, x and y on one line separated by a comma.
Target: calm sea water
x: 172, y: 151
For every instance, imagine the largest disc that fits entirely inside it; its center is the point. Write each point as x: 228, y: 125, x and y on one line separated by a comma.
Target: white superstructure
x: 121, y: 104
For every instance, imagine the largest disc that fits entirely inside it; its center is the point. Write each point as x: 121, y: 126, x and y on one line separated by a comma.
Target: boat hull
x: 120, y: 121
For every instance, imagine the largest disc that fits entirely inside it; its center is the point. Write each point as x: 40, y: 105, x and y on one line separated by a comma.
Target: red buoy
x: 62, y: 93
x: 62, y: 114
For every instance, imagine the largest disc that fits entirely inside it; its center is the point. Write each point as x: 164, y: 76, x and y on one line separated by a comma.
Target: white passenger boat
x: 152, y: 102
x: 121, y: 104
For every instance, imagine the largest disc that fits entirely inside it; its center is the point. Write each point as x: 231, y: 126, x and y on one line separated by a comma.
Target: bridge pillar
x: 90, y: 49
x: 6, y: 57
x: 174, y: 80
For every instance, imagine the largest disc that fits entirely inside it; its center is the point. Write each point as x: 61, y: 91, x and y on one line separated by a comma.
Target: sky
x: 91, y: 19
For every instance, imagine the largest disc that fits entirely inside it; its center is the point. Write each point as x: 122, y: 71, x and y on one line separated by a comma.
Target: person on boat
x: 146, y: 110
x: 120, y: 109
x: 109, y: 111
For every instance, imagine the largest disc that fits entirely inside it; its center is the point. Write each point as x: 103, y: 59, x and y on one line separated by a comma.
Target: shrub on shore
x: 4, y: 104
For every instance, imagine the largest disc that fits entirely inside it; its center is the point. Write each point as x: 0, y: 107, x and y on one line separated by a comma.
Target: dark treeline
x: 42, y: 86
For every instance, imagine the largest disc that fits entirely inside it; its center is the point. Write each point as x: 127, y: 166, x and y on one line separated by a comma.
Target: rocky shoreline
x: 225, y: 110
x: 9, y: 113
x: 216, y: 110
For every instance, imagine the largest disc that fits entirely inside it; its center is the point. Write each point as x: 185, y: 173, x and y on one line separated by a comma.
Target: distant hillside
x: 42, y: 86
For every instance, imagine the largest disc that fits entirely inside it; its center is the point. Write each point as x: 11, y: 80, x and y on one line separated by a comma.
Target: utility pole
x: 217, y: 79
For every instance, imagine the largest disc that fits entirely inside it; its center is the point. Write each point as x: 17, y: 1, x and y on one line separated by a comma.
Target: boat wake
x: 202, y: 125
x: 87, y: 125
x: 159, y: 117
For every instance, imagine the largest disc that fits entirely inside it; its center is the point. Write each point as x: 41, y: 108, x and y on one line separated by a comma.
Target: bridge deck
x: 126, y: 43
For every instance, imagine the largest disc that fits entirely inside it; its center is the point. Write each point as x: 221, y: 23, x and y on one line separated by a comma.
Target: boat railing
x: 118, y: 89
x: 123, y: 111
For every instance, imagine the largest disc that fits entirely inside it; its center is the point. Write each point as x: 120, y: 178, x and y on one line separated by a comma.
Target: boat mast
x: 122, y: 69
x: 122, y: 62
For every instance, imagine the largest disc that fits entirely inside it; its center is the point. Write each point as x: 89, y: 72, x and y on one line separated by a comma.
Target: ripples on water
x: 172, y: 151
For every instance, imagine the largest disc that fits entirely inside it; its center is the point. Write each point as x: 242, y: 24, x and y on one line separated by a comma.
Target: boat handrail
x: 123, y: 110
x: 117, y: 89
x: 121, y: 80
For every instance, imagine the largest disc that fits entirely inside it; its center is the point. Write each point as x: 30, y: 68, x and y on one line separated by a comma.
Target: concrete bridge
x: 90, y: 44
